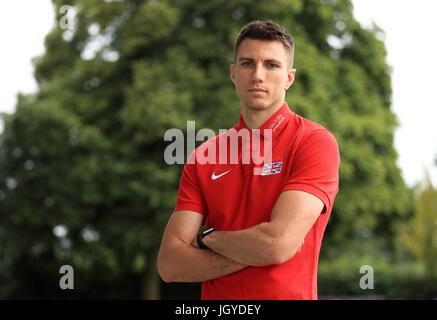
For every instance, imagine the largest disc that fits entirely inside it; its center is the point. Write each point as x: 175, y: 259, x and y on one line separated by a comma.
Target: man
x: 265, y: 221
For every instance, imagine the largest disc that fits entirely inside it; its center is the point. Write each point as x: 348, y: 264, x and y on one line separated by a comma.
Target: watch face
x: 208, y: 231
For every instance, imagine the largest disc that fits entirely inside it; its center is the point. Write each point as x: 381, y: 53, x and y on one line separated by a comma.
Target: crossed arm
x: 267, y: 243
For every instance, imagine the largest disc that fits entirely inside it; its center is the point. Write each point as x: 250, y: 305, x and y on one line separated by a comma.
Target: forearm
x: 256, y: 246
x: 185, y: 263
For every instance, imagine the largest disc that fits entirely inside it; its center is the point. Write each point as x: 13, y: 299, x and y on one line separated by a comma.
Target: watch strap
x: 201, y: 235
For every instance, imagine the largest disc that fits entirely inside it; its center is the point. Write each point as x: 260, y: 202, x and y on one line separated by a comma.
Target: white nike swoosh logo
x: 213, y: 177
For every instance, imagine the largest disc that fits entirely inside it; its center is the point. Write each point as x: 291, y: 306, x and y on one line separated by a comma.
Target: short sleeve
x: 315, y: 167
x: 190, y: 195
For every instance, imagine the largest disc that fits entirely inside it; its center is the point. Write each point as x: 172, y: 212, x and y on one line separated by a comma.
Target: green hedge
x: 385, y: 286
x: 389, y: 286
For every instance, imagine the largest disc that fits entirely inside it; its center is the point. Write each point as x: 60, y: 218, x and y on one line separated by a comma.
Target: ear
x: 233, y: 73
x: 290, y: 80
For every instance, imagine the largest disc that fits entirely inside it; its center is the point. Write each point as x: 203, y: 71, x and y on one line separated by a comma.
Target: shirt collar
x: 276, y: 123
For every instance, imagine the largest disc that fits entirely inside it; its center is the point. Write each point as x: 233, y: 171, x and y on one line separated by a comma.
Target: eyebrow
x: 268, y: 60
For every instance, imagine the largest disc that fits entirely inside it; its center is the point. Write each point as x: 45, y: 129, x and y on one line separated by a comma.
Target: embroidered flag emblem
x: 272, y: 168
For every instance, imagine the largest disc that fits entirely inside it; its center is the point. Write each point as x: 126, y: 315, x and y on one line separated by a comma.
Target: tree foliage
x: 420, y: 236
x: 83, y: 179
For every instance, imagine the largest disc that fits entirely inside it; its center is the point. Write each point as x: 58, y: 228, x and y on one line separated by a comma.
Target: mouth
x: 257, y: 90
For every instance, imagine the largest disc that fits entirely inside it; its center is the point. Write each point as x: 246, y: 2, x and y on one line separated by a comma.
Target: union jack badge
x: 271, y: 168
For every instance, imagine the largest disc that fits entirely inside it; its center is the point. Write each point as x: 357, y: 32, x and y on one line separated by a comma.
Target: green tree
x: 420, y: 235
x: 83, y: 179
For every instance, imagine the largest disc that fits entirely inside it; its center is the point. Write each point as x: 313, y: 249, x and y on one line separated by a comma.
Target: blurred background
x: 90, y: 87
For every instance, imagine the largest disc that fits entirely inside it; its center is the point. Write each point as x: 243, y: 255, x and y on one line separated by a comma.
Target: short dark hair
x: 265, y: 30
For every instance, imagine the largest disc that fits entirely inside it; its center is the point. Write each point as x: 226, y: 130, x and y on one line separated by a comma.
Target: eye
x: 247, y: 64
x: 272, y: 65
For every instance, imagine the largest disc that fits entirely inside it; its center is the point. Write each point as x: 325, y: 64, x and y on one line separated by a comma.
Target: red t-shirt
x: 237, y: 196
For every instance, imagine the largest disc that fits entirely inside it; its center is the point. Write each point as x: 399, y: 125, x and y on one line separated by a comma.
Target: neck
x: 254, y: 119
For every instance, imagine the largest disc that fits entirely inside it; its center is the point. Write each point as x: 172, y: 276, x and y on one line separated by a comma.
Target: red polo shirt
x: 237, y: 196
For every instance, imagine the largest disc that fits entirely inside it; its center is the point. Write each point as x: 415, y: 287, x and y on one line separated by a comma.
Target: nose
x: 258, y: 73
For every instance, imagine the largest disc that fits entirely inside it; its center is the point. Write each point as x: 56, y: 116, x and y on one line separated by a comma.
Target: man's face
x: 262, y: 74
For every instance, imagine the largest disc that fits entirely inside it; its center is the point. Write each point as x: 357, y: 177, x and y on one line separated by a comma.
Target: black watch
x: 200, y: 237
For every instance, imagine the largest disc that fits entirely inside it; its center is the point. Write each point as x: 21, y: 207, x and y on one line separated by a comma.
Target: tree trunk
x: 151, y: 278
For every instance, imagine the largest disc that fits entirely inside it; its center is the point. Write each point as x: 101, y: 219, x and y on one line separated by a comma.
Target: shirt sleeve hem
x: 310, y: 189
x: 190, y: 207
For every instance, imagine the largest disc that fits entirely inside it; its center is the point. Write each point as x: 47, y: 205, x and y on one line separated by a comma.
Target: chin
x: 258, y: 105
